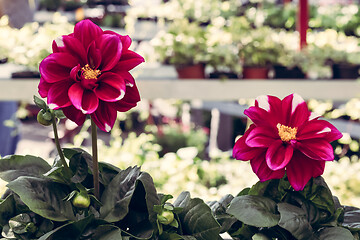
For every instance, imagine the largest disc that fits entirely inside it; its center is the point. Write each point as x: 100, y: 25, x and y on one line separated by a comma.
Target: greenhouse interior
x: 180, y: 119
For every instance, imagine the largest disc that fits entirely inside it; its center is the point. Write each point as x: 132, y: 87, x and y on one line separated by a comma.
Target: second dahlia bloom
x: 286, y: 137
x: 88, y: 74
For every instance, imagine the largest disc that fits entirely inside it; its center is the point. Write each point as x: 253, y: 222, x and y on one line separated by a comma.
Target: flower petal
x: 317, y: 149
x: 128, y: 61
x: 259, y: 116
x: 313, y: 129
x: 71, y: 45
x: 301, y: 169
x: 86, y: 31
x: 57, y: 66
x: 264, y: 173
x: 110, y: 47
x: 268, y: 103
x: 93, y: 56
x: 261, y: 137
x: 129, y: 79
x: 242, y: 151
x: 279, y: 155
x: 125, y: 40
x: 74, y: 115
x: 82, y: 99
x: 58, y: 94
x: 295, y: 110
x: 335, y: 134
x: 111, y: 87
x: 105, y: 116
x: 43, y: 87
x: 130, y: 100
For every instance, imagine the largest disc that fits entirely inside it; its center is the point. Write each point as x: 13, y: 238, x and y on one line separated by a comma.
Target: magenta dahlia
x: 286, y: 137
x: 88, y: 74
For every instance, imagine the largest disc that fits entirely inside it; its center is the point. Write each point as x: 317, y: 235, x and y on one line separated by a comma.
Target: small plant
x: 183, y: 44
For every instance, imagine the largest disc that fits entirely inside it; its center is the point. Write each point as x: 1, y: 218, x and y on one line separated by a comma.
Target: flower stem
x: 57, y: 143
x: 95, y: 159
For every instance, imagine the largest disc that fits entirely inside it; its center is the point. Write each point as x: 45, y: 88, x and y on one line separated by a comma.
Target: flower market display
x: 79, y: 197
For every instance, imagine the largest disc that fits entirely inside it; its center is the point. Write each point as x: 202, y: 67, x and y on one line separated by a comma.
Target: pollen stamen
x: 90, y: 73
x: 286, y: 133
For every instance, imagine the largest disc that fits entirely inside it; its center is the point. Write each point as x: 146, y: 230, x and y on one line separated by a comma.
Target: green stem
x: 57, y: 143
x: 95, y: 159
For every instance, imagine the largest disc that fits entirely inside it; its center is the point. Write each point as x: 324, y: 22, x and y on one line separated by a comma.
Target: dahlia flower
x: 286, y: 137
x: 88, y: 74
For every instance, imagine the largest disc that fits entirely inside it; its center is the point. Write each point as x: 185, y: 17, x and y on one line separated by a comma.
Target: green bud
x: 44, y: 118
x: 30, y: 227
x: 166, y: 217
x: 81, y: 200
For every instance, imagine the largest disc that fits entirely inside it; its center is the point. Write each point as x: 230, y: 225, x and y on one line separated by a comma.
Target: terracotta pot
x: 191, y: 72
x: 255, y: 72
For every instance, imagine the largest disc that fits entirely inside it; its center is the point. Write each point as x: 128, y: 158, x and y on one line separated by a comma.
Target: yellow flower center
x: 286, y: 133
x: 90, y: 73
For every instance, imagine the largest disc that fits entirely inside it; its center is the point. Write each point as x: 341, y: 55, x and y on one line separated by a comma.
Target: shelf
x: 210, y: 90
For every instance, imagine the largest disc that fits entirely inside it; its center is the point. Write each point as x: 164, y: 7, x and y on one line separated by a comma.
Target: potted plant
x: 31, y: 43
x: 290, y: 60
x: 222, y: 51
x: 184, y: 46
x: 258, y: 51
x: 333, y: 52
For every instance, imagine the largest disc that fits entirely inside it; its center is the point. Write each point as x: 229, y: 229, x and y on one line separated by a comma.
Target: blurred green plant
x: 32, y: 43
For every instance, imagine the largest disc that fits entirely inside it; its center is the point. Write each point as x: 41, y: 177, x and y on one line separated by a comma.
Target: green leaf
x: 151, y: 196
x: 107, y: 172
x: 172, y: 236
x: 275, y: 189
x: 107, y: 232
x: 71, y: 230
x: 352, y: 218
x: 57, y: 174
x: 138, y: 221
x: 40, y: 103
x: 164, y: 198
x: 319, y: 194
x: 335, y: 233
x: 12, y: 167
x: 188, y: 237
x: 294, y: 220
x: 7, y: 209
x: 260, y: 236
x: 196, y: 218
x: 70, y: 153
x: 44, y: 197
x: 7, y: 232
x: 59, y: 114
x: 219, y: 211
x: 254, y: 211
x: 79, y: 167
x: 117, y: 196
x: 19, y: 222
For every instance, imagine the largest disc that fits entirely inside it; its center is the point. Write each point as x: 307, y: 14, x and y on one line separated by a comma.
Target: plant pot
x: 25, y: 74
x: 196, y: 71
x: 282, y: 72
x: 255, y: 72
x: 223, y: 75
x: 345, y: 71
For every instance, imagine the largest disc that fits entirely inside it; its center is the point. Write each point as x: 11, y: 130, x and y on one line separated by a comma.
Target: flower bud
x: 166, y: 217
x: 44, y: 118
x: 81, y: 200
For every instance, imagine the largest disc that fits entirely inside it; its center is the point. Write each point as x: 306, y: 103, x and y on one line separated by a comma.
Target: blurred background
x: 184, y: 142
